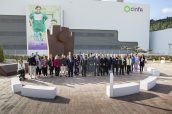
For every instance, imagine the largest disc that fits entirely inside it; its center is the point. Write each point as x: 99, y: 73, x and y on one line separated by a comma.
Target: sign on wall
x: 38, y: 20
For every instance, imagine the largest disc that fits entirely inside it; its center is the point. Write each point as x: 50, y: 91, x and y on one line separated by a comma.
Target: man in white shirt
x: 21, y: 70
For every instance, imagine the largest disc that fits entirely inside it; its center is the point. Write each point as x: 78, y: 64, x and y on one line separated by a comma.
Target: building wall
x: 161, y: 41
x: 97, y: 15
x: 98, y: 40
x: 13, y: 34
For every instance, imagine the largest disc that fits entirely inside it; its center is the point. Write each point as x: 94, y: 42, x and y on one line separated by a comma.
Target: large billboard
x: 38, y: 20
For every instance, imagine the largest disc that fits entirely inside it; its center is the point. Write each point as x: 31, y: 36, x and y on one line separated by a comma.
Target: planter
x: 10, y: 69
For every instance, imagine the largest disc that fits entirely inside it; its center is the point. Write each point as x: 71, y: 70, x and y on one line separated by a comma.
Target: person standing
x: 128, y: 61
x: 32, y: 63
x: 36, y: 55
x: 125, y: 63
x: 101, y: 65
x: 45, y: 66
x: 29, y: 64
x: 96, y: 65
x: 21, y: 70
x: 57, y: 65
x: 70, y: 64
x: 63, y: 69
x: 121, y: 64
x: 51, y: 65
x: 38, y: 66
x: 142, y: 63
x: 84, y: 63
x: 136, y: 64
x: 76, y: 64
x: 106, y: 67
x: 133, y: 62
x: 109, y: 58
x: 115, y: 64
x: 90, y: 64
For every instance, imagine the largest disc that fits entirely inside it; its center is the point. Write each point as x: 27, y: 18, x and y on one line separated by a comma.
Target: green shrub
x: 1, y: 54
x: 159, y: 57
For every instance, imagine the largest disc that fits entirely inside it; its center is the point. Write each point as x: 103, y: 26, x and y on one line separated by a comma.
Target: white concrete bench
x: 162, y: 61
x: 148, y: 83
x: 16, y: 85
x: 153, y: 71
x: 39, y: 91
x: 149, y: 69
x: 123, y: 89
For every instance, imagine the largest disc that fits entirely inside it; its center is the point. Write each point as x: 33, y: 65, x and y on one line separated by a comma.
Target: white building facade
x: 131, y: 21
x: 161, y: 42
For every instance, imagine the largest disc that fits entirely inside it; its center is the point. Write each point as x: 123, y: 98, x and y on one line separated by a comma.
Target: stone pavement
x: 86, y: 95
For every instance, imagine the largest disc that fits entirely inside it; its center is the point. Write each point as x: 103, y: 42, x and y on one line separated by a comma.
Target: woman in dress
x: 136, y: 64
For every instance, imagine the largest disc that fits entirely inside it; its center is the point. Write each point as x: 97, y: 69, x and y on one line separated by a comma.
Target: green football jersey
x: 38, y: 21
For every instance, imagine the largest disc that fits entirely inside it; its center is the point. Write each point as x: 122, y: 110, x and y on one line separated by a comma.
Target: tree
x: 1, y: 54
x: 160, y: 24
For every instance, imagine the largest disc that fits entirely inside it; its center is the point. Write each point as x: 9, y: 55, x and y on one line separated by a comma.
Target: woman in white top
x: 21, y: 69
x: 38, y: 66
x: 129, y: 62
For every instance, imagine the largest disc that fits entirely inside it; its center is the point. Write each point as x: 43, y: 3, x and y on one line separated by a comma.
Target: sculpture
x: 61, y: 41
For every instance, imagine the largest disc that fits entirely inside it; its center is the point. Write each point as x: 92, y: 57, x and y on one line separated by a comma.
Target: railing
x: 104, y: 51
x: 15, y: 52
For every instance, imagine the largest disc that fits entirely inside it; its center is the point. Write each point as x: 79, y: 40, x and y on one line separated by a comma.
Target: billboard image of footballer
x: 39, y: 19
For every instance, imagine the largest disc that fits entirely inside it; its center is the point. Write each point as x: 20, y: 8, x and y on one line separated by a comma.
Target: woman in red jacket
x: 57, y: 65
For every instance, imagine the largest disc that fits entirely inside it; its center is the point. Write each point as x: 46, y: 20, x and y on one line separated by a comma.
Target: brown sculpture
x: 61, y: 41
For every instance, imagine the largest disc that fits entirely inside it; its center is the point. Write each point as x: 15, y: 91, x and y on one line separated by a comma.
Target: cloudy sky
x: 159, y: 9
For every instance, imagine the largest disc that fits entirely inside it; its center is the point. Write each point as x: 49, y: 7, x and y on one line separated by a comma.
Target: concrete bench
x: 39, y: 91
x: 148, y: 83
x: 149, y: 69
x: 16, y: 85
x: 123, y: 89
x: 162, y: 61
x: 153, y: 71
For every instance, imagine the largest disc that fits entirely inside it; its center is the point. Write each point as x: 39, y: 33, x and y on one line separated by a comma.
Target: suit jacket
x: 142, y: 61
x: 102, y: 62
x: 84, y: 63
x: 96, y: 62
x: 115, y: 62
x: 70, y: 63
x: 121, y: 62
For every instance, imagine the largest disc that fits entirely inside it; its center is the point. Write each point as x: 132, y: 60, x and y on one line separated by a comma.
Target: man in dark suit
x: 121, y: 65
x: 90, y: 64
x: 32, y: 63
x: 96, y: 65
x: 125, y: 63
x: 84, y: 63
x: 115, y: 64
x: 70, y: 64
x: 51, y: 65
x: 109, y: 62
x: 142, y: 63
x: 106, y: 67
x: 101, y: 65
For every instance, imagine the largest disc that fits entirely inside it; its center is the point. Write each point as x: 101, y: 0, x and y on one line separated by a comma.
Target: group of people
x: 84, y: 64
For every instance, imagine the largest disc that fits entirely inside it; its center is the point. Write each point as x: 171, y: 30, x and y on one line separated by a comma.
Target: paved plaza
x: 87, y: 95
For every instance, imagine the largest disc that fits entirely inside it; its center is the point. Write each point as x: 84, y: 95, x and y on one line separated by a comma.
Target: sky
x: 159, y: 9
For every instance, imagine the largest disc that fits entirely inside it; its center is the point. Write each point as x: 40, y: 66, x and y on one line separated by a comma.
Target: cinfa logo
x: 128, y: 8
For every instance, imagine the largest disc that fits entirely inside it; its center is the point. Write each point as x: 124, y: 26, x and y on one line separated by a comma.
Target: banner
x: 38, y: 20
